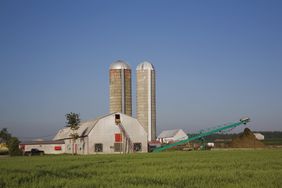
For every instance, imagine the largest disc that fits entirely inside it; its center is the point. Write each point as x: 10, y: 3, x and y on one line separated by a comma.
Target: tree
x: 4, y: 136
x: 11, y: 142
x: 73, y: 121
x: 13, y: 146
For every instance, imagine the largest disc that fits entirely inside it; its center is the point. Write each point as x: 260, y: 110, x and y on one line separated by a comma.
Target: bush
x: 13, y: 146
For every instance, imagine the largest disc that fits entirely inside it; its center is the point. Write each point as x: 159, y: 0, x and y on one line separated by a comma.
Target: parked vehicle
x: 34, y: 151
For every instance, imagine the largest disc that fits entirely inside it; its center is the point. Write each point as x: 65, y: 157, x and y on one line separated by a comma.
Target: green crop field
x: 230, y: 168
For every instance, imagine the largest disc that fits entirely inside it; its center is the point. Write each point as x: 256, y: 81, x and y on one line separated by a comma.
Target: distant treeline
x: 268, y: 135
x: 272, y: 135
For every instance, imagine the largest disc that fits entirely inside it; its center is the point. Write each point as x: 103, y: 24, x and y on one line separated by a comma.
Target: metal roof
x: 169, y: 133
x: 83, y: 130
x: 119, y: 64
x: 42, y: 142
x: 86, y: 127
x: 145, y: 66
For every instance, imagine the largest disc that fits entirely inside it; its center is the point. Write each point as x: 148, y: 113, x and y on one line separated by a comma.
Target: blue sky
x: 215, y: 61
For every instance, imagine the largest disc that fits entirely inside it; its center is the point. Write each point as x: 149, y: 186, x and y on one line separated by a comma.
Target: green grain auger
x: 243, y: 121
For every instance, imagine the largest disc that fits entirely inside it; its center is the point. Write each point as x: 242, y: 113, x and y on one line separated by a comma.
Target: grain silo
x: 120, y: 88
x: 146, y: 98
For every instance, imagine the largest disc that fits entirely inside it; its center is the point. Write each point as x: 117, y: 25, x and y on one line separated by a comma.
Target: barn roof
x: 42, y: 142
x: 169, y: 133
x: 84, y: 129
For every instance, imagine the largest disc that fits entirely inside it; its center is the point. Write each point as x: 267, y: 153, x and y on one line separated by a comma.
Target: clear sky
x: 216, y: 61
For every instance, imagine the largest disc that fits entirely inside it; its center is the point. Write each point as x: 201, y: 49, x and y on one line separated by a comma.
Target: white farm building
x: 113, y: 133
x: 175, y: 135
x: 259, y: 136
x: 48, y: 147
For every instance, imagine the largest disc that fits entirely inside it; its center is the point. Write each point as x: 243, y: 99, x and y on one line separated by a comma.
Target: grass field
x: 233, y: 168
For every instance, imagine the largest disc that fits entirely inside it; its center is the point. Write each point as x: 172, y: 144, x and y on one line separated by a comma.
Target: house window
x: 118, y: 147
x: 118, y: 137
x: 137, y: 147
x: 98, y: 147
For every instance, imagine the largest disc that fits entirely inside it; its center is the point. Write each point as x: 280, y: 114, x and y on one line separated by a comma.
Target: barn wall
x: 105, y: 130
x: 136, y: 131
x: 104, y: 133
x: 78, y: 147
x: 47, y: 148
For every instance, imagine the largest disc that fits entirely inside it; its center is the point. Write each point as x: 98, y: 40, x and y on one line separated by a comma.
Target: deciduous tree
x: 11, y: 142
x: 13, y: 146
x: 73, y: 121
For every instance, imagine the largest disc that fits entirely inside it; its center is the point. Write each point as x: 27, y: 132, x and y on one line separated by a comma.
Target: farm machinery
x: 203, y: 133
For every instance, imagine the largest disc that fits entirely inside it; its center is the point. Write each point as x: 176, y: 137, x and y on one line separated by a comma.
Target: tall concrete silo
x: 120, y: 88
x: 146, y: 98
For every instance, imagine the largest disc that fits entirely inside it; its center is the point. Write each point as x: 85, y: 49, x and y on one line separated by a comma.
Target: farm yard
x: 217, y: 168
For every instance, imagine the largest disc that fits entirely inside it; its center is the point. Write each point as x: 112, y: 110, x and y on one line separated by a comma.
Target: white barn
x: 175, y: 135
x: 113, y: 133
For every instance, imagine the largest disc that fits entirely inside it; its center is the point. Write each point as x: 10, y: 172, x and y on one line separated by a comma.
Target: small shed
x: 174, y: 135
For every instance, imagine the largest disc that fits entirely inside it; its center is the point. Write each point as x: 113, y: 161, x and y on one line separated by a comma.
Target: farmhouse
x: 113, y: 133
x: 168, y: 136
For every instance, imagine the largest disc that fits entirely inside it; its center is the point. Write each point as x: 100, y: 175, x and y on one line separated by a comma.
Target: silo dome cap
x: 145, y: 66
x: 119, y: 65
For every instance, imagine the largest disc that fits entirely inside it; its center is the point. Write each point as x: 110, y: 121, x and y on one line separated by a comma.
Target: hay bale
x: 246, y: 140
